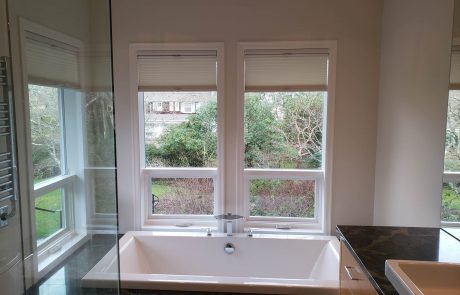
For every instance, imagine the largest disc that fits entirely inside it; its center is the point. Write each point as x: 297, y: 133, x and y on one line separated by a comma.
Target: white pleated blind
x: 177, y: 71
x: 52, y: 63
x: 285, y: 70
x: 455, y: 71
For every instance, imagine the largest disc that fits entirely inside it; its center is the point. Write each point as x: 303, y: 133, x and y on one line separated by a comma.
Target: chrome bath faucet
x: 229, y: 217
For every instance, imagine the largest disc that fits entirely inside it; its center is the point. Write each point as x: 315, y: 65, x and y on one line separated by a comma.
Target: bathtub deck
x: 92, y: 251
x: 147, y: 265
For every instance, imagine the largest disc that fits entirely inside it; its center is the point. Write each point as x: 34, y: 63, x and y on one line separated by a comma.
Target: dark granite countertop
x: 372, y: 245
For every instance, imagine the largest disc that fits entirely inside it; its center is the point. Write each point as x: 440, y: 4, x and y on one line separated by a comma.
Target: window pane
x: 100, y: 129
x: 45, y: 128
x: 284, y: 198
x: 450, y: 208
x: 283, y: 129
x: 49, y: 214
x: 105, y: 191
x: 452, y: 150
x: 183, y: 196
x: 180, y: 129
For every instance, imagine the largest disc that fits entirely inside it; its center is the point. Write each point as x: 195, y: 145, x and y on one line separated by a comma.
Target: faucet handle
x: 228, y: 216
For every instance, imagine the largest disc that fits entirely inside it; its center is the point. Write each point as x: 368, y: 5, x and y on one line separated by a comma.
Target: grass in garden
x: 160, y: 189
x: 450, y: 203
x: 48, y: 223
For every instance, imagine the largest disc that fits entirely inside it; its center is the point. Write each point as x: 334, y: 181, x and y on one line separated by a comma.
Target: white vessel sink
x: 410, y: 277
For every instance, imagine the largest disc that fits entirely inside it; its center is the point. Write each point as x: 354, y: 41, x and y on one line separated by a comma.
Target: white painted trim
x: 323, y: 205
x: 450, y: 224
x: 451, y: 176
x: 69, y: 245
x: 71, y: 171
x: 95, y: 219
x: 149, y: 173
x: 235, y: 204
x: 241, y: 207
x: 180, y: 172
x: 66, y: 184
x: 52, y: 184
x: 134, y: 175
x: 272, y: 221
x: 309, y: 174
x: 142, y: 175
x: 329, y: 127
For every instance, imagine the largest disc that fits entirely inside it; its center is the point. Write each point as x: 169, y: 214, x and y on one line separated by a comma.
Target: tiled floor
x: 66, y: 278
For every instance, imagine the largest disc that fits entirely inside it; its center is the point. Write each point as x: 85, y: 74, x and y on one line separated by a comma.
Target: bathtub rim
x: 98, y: 277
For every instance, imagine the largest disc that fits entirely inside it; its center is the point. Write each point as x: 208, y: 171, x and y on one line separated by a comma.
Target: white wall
x: 415, y: 62
x: 355, y: 24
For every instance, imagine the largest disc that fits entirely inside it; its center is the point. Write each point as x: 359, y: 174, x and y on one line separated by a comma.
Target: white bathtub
x: 281, y: 264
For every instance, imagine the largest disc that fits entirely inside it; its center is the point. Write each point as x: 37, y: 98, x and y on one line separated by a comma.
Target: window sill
x: 175, y: 228
x: 450, y: 224
x: 256, y: 227
x: 202, y: 231
x: 56, y: 252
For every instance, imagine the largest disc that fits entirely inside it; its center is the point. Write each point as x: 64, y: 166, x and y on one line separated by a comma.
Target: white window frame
x: 185, y: 106
x: 62, y: 182
x: 158, y: 106
x: 451, y: 176
x: 61, y: 244
x: 322, y: 177
x: 143, y: 175
x: 178, y: 220
x: 274, y: 222
x: 98, y: 221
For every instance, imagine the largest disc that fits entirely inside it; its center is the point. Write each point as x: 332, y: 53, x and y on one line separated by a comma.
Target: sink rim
x: 401, y: 281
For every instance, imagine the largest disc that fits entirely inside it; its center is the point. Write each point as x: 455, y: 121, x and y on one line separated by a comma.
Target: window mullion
x: 451, y: 176
x: 53, y: 184
x: 180, y: 172
x: 62, y: 125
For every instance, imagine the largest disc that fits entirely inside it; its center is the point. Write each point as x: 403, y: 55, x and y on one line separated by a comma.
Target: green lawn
x: 160, y: 189
x: 48, y: 223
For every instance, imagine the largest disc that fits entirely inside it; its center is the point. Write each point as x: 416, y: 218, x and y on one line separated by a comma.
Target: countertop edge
x: 364, y: 268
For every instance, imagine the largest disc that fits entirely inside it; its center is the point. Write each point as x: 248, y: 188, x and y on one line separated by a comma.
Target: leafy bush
x: 450, y: 202
x: 183, y: 196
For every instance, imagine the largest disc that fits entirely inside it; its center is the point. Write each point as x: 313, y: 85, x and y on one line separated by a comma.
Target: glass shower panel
x: 62, y: 73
